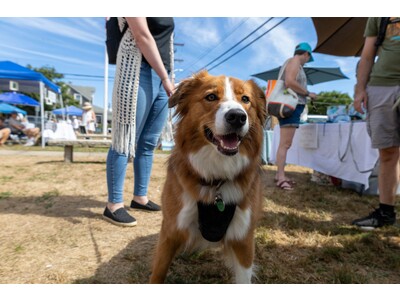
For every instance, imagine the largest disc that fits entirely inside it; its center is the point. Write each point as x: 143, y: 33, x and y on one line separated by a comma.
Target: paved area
x: 7, y: 152
x: 60, y: 154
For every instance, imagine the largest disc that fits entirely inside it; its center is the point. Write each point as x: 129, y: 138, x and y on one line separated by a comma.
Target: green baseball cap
x: 305, y: 47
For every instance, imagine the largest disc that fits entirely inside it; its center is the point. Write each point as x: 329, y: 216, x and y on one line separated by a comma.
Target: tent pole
x: 41, y: 84
x: 62, y: 104
x: 105, y: 114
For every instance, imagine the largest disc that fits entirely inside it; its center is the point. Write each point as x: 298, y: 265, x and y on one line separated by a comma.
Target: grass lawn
x: 53, y: 232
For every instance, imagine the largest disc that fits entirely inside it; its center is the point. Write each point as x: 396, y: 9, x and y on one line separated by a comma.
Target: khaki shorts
x: 383, y: 123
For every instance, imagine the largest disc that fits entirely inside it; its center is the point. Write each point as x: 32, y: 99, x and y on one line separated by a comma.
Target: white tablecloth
x: 342, y: 150
x: 64, y: 131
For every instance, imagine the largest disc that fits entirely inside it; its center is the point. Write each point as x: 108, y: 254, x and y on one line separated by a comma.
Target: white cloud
x: 202, y: 34
x: 272, y: 49
x: 66, y: 59
x: 348, y: 66
x: 54, y: 26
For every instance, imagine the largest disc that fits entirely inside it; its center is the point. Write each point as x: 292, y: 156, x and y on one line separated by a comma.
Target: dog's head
x: 221, y: 111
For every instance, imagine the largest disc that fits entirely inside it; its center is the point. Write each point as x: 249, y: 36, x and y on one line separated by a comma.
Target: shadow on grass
x: 355, y: 261
x: 70, y: 208
x: 342, y: 204
x: 62, y: 163
x: 133, y: 265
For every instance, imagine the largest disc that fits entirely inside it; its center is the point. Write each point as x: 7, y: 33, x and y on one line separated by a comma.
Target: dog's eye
x: 245, y: 99
x: 211, y: 97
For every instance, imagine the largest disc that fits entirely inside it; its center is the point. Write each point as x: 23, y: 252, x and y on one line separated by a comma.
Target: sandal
x: 292, y: 182
x: 285, y: 185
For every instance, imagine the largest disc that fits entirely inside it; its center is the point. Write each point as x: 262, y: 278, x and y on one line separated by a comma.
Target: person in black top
x: 140, y: 109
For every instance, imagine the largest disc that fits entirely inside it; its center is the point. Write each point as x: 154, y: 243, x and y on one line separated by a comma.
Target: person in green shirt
x: 378, y: 92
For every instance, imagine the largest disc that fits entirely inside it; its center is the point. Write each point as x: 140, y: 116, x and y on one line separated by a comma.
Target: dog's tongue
x: 228, y: 141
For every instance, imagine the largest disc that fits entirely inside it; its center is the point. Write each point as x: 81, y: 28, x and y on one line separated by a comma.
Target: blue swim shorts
x: 294, y: 119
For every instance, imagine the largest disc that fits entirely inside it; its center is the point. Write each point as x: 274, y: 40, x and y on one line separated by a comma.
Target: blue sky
x: 75, y: 45
x: 71, y: 35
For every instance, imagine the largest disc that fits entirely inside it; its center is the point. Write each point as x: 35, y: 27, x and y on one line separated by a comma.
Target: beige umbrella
x: 340, y: 36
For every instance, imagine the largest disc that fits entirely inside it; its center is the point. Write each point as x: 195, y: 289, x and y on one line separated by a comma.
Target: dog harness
x: 214, y: 218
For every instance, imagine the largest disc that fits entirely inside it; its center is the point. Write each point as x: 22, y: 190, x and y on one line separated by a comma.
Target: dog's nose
x: 236, y: 117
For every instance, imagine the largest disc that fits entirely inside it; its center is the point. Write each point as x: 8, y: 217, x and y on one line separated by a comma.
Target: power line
x: 90, y: 79
x: 207, y: 51
x: 256, y: 39
x: 83, y: 75
x: 251, y: 33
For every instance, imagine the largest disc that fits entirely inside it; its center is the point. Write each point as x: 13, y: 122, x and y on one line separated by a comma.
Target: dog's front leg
x: 240, y: 256
x: 166, y: 249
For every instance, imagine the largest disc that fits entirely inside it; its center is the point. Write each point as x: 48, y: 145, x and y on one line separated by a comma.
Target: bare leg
x: 114, y: 206
x: 32, y: 132
x: 141, y: 199
x: 285, y: 142
x: 388, y: 174
x: 6, y: 133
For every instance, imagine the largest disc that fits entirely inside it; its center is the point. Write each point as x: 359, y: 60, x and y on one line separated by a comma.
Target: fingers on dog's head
x: 185, y: 87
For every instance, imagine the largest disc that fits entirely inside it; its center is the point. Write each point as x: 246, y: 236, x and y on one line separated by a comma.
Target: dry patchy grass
x: 52, y: 230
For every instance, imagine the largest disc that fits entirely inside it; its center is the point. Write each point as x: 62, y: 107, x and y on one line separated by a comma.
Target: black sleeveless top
x: 161, y: 29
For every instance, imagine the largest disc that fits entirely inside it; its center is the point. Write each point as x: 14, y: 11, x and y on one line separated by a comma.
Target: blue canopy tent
x: 18, y: 99
x: 29, y: 81
x: 69, y: 110
x: 8, y: 109
x: 10, y: 70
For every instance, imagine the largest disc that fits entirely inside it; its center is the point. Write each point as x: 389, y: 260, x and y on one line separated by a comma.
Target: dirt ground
x: 52, y: 229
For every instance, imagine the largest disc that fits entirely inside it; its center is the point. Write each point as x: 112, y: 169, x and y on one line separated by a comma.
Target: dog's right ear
x: 179, y: 94
x: 184, y: 87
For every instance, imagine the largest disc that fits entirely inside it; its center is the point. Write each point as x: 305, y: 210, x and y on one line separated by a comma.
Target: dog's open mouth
x: 227, y: 144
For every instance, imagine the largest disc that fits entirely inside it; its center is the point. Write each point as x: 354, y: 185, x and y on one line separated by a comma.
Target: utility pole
x: 180, y: 45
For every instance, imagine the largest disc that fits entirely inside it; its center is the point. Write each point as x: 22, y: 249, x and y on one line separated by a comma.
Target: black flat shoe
x: 150, y: 206
x: 119, y: 217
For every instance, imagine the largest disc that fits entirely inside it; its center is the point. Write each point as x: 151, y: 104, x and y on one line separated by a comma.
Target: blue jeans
x: 151, y: 114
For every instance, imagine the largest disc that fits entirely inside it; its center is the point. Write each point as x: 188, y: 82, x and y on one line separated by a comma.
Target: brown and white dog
x: 213, y: 194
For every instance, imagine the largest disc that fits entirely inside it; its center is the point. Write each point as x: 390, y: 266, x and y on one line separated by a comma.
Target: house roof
x: 86, y: 91
x: 99, y: 110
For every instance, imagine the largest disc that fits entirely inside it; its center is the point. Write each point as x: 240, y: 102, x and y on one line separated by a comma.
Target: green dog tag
x: 219, y: 203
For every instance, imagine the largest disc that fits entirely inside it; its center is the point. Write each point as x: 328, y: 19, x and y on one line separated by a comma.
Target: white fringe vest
x: 125, y: 92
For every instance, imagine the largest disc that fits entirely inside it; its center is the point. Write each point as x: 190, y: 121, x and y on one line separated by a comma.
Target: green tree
x: 326, y: 99
x: 57, y: 78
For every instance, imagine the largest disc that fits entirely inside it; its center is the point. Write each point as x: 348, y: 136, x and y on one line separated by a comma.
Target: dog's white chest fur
x: 211, y: 164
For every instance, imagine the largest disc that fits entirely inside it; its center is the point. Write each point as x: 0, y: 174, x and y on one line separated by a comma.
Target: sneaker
x: 150, y: 206
x: 119, y: 217
x: 14, y: 137
x: 29, y: 143
x: 375, y: 219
